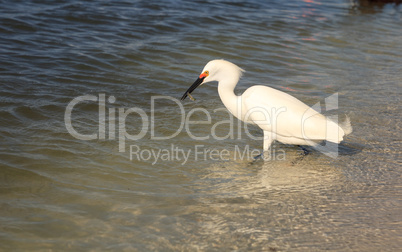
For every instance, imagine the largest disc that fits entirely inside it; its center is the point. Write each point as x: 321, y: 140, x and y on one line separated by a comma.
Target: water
x: 62, y: 193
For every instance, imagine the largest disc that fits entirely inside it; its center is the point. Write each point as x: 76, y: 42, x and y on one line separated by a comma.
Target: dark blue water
x: 194, y: 188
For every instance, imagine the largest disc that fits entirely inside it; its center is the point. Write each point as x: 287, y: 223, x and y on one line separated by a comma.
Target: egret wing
x: 286, y: 116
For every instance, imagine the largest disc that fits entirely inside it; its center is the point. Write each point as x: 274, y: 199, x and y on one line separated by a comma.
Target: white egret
x: 281, y: 116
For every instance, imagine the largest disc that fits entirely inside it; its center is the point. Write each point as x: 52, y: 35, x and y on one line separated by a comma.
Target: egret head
x: 215, y: 70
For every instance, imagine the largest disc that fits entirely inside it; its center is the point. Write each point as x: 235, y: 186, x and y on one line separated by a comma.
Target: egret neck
x: 226, y: 92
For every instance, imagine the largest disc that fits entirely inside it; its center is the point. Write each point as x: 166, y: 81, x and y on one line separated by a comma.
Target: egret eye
x: 206, y: 72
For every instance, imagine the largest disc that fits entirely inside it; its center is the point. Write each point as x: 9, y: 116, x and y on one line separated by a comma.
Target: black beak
x: 194, y: 86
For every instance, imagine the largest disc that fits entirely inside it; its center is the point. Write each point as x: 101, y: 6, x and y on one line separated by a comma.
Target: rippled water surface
x: 60, y: 192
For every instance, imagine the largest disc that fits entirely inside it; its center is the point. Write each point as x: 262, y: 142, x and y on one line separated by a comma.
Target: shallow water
x: 59, y: 192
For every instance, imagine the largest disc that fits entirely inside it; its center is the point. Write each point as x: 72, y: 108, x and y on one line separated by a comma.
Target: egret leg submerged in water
x: 281, y: 116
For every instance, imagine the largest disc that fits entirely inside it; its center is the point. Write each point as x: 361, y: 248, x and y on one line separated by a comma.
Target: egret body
x: 281, y: 116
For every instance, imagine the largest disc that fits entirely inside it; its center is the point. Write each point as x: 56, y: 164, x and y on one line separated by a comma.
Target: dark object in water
x: 367, y: 2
